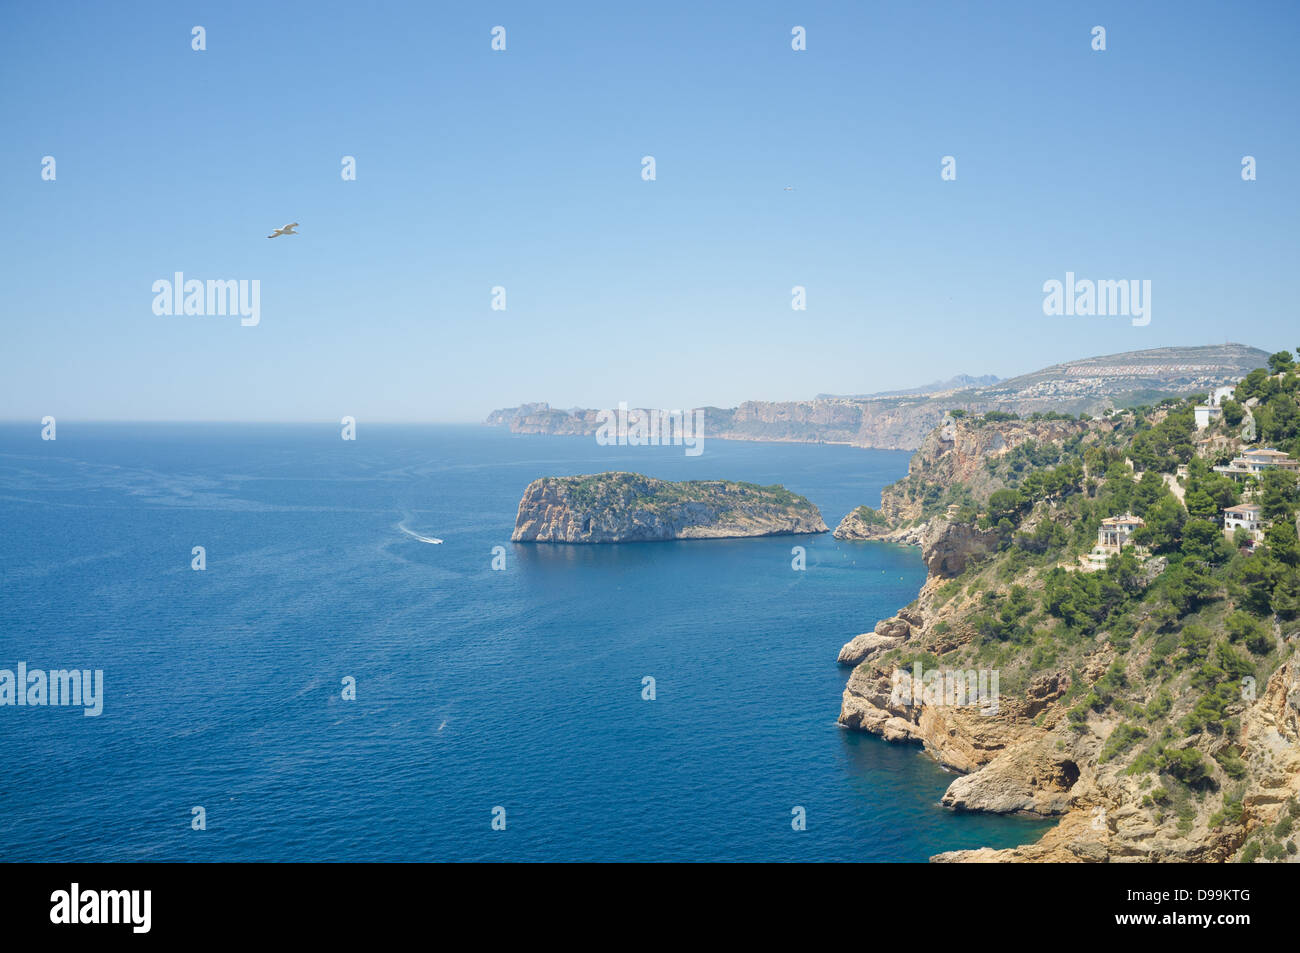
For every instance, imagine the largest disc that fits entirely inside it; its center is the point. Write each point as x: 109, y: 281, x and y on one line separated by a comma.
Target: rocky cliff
x: 629, y: 507
x: 1123, y: 706
x: 864, y: 523
x: 1029, y: 758
x: 957, y: 464
x: 1108, y: 816
x: 1026, y: 773
x: 1123, y: 701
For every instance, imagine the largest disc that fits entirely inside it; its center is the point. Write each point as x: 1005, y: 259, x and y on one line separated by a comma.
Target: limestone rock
x: 888, y: 634
x: 948, y: 548
x: 860, y: 525
x: 864, y: 646
x: 628, y: 507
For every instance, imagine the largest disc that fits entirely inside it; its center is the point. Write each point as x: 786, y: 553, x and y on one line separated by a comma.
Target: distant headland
x: 901, y: 420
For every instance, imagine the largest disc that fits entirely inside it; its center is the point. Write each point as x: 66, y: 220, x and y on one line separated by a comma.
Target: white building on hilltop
x: 1212, y: 409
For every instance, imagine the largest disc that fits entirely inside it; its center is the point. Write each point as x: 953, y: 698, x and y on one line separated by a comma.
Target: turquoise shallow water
x: 476, y: 689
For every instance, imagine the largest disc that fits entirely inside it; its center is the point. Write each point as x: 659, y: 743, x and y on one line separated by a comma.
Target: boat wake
x: 423, y: 539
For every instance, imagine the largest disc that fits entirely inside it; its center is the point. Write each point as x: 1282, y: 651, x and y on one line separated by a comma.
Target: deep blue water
x: 475, y: 688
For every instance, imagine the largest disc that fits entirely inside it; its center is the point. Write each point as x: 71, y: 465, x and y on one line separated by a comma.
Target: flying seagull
x: 789, y: 188
x: 286, y: 230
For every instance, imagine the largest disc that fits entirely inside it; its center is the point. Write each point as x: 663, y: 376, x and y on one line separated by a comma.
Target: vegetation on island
x: 622, y: 490
x: 629, y: 507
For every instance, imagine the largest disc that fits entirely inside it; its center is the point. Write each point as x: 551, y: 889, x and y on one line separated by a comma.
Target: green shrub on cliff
x: 871, y: 517
x: 1124, y: 737
x: 1155, y: 649
x: 1185, y: 764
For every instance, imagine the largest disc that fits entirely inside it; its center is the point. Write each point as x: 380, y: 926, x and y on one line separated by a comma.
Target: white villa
x: 1243, y: 516
x: 1115, y: 531
x: 1112, y: 536
x: 1255, y: 462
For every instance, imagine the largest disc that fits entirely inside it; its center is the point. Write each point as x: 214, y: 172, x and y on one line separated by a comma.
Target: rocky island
x: 629, y: 507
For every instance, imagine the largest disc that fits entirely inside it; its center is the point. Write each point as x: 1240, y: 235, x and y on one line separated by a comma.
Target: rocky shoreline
x: 1030, y: 755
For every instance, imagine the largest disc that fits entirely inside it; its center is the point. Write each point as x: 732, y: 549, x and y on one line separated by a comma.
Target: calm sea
x: 476, y: 689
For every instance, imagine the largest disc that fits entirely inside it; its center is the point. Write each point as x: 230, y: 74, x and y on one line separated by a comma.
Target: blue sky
x: 522, y: 169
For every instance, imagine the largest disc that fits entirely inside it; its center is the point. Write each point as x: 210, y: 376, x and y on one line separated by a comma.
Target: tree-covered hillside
x: 1160, y: 649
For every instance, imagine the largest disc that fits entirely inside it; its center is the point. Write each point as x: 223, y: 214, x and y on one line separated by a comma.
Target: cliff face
x: 1137, y: 731
x: 542, y: 418
x: 1026, y: 757
x: 883, y: 423
x: 886, y: 424
x: 948, y: 548
x: 957, y: 454
x: 1007, y: 752
x: 865, y: 523
x: 1106, y: 813
x: 628, y: 507
x: 953, y: 462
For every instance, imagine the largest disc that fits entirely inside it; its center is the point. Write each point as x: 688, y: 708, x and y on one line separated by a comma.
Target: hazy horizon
x: 481, y: 418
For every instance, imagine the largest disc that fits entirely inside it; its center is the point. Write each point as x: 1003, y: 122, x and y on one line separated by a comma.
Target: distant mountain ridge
x: 956, y: 382
x: 1086, y: 386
